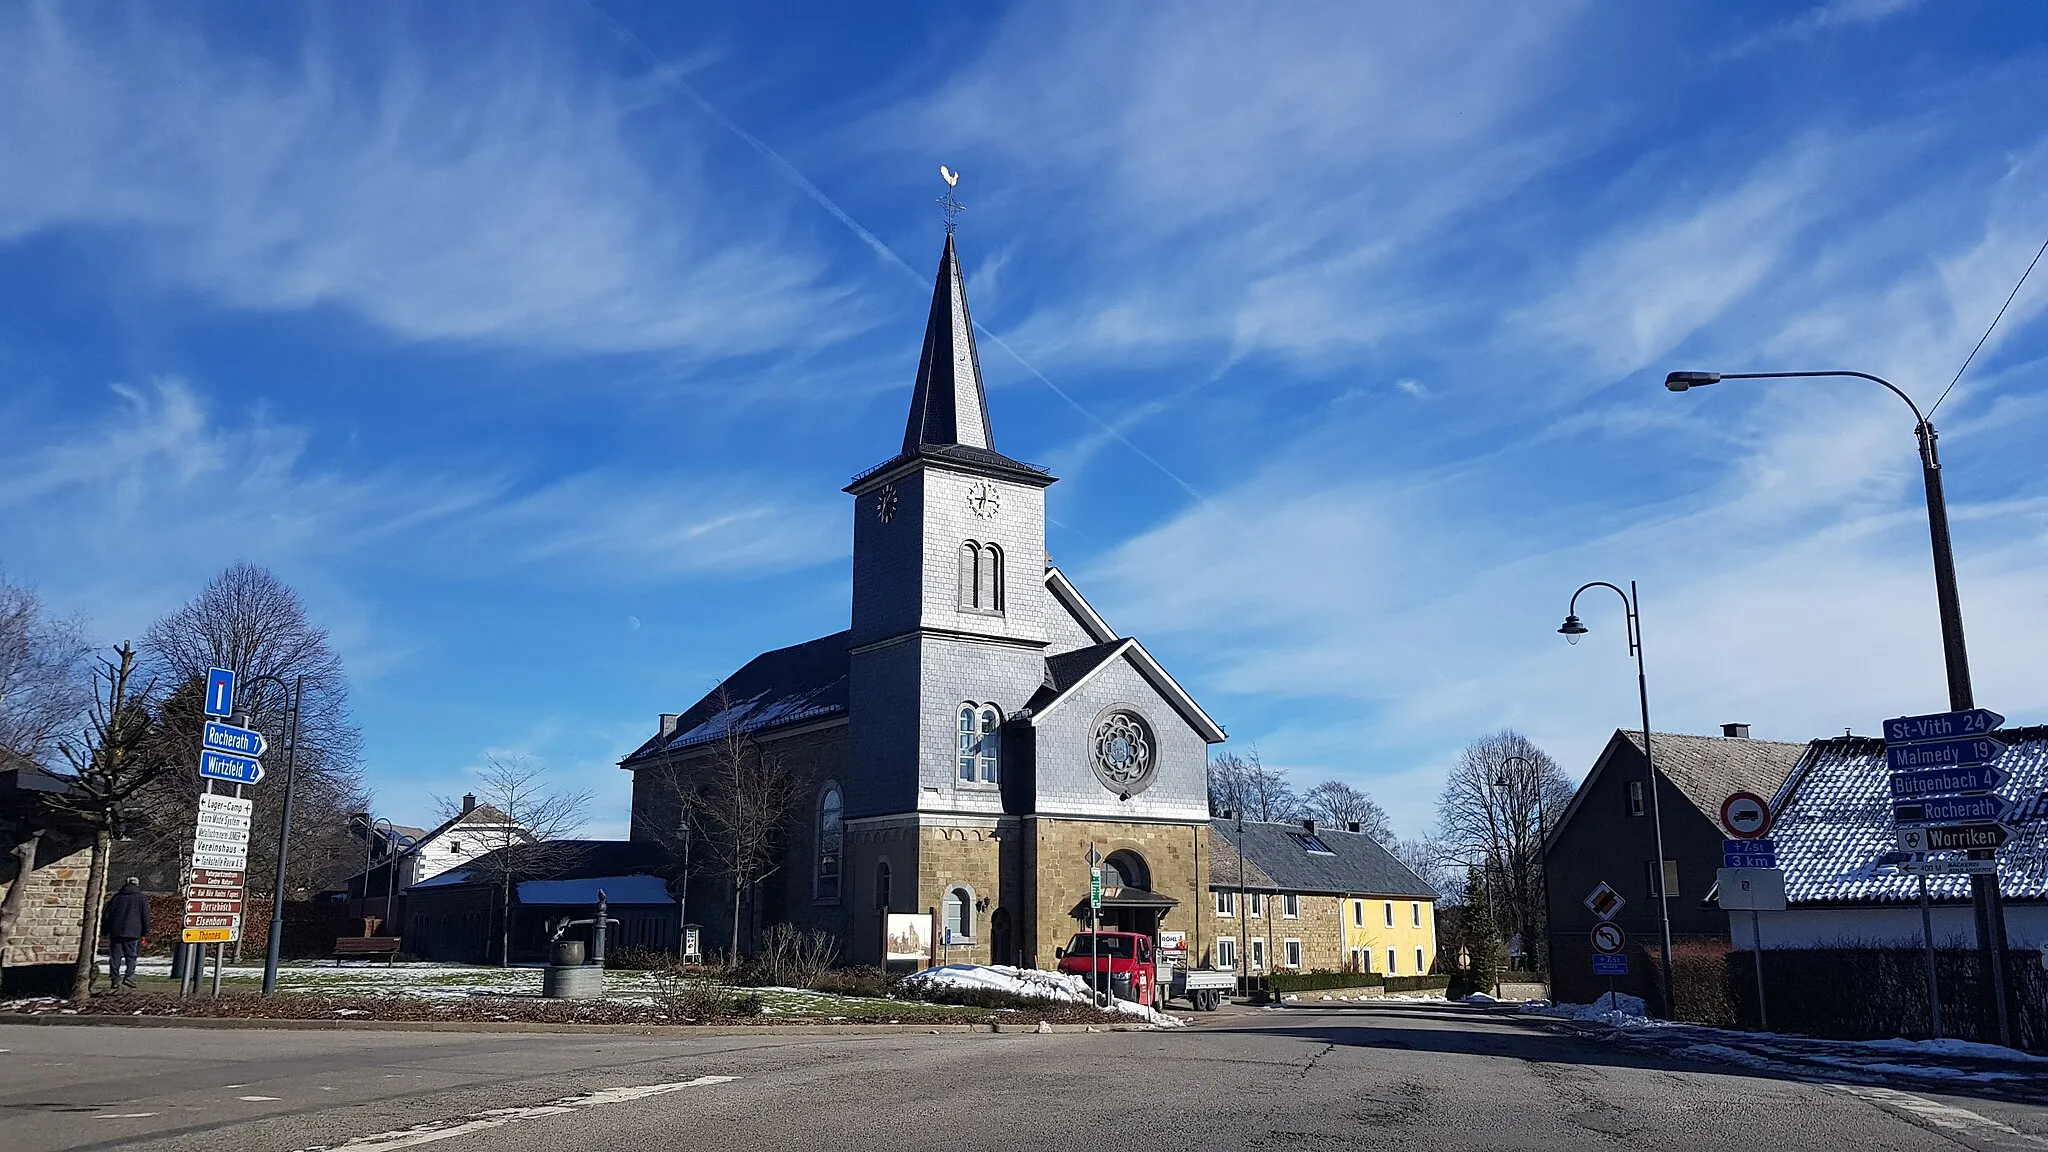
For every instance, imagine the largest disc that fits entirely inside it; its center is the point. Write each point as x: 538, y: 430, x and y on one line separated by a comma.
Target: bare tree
x: 1338, y: 805
x: 1245, y: 784
x: 529, y: 842
x: 247, y: 620
x: 112, y: 762
x: 1430, y: 859
x: 43, y: 686
x: 744, y: 796
x: 1494, y: 808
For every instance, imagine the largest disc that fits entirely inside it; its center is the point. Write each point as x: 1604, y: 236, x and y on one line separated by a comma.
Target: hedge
x: 1418, y: 983
x: 1320, y: 979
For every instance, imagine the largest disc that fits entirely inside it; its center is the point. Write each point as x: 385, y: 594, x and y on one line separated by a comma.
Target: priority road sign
x: 1609, y: 939
x: 1746, y: 815
x: 1943, y: 753
x: 222, y: 766
x: 1955, y: 810
x: 220, y: 692
x: 1605, y: 965
x: 1948, y: 782
x: 1954, y: 837
x: 228, y: 738
x: 1604, y: 901
x: 1941, y: 725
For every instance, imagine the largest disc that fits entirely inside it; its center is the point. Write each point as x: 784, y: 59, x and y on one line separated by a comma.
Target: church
x: 975, y: 734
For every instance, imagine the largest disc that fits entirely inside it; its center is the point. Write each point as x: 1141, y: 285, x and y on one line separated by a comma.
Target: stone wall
x: 1176, y: 854
x: 47, y: 932
x: 1336, y: 932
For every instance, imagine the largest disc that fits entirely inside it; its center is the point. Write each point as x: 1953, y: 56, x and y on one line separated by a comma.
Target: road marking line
x: 122, y: 1115
x: 256, y: 1097
x: 1944, y: 1116
x: 437, y: 1130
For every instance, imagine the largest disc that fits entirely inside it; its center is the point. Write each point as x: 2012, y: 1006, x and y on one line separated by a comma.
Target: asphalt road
x: 1420, y: 1077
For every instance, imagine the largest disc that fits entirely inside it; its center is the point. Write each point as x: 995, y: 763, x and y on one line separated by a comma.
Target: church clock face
x: 885, y: 503
x: 984, y: 498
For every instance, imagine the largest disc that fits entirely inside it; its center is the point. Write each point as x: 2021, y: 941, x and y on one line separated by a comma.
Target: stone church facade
x: 974, y: 732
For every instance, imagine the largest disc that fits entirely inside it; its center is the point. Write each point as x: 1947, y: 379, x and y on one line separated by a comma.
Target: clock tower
x: 950, y: 608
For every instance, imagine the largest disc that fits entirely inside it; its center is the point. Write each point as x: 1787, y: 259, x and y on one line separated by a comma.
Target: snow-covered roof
x: 1835, y: 832
x: 634, y: 889
x: 786, y: 686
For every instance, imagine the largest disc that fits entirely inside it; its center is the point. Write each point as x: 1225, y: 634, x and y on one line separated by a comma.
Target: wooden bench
x: 349, y: 947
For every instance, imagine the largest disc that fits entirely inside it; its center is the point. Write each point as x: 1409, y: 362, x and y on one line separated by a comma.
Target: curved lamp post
x: 1955, y: 657
x: 1572, y: 629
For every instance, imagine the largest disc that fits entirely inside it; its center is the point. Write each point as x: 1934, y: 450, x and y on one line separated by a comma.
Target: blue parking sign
x: 220, y: 692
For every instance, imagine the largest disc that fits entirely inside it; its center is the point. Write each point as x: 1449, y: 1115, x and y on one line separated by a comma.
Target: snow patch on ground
x: 1030, y: 983
x: 1616, y: 1010
x: 1479, y: 998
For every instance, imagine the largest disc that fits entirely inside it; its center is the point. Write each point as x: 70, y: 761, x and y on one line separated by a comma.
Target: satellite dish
x: 952, y: 177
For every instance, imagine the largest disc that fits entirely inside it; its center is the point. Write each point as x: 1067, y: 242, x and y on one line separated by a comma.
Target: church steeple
x: 949, y: 406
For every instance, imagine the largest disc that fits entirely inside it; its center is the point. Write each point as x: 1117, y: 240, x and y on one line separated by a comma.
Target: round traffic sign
x: 1746, y: 815
x: 1608, y: 939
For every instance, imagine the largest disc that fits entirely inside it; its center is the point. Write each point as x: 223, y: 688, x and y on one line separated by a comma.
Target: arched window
x: 981, y: 577
x: 1124, y: 869
x: 960, y: 914
x: 970, y: 565
x: 881, y: 886
x: 831, y: 841
x: 980, y: 743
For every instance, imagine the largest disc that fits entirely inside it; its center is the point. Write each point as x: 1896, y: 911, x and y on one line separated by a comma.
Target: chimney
x: 1735, y: 731
x: 669, y: 721
x: 1352, y: 826
x: 468, y: 802
x: 1309, y: 826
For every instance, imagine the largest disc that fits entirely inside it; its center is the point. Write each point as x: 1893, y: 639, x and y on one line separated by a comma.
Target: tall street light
x: 1955, y: 658
x: 1572, y: 629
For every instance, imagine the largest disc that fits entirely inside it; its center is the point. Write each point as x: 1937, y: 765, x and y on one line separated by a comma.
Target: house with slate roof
x: 1295, y: 896
x: 1607, y: 835
x: 1838, y: 848
x: 975, y: 734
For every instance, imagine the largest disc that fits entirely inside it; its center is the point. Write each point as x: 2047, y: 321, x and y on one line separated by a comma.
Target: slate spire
x: 949, y: 406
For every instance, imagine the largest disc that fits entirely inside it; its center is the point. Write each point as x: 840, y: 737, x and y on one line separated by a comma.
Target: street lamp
x: 294, y: 696
x: 1955, y: 657
x: 1572, y: 629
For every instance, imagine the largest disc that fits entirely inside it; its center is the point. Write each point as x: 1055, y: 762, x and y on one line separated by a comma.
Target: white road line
x: 256, y: 1097
x: 122, y: 1115
x: 436, y: 1130
x: 1945, y: 1117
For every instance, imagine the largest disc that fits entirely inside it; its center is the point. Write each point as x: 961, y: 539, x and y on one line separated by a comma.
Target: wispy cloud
x: 496, y: 194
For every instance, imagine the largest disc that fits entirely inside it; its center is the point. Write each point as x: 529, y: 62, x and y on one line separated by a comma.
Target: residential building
x: 1296, y: 896
x: 410, y: 856
x: 976, y: 732
x: 1607, y: 835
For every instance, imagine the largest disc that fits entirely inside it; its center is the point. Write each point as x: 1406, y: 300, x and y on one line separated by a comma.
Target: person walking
x: 127, y: 922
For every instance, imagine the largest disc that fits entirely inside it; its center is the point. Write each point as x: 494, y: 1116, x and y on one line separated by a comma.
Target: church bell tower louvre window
x: 981, y: 577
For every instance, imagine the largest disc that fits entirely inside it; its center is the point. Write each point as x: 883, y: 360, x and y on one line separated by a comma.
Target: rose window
x: 1124, y: 752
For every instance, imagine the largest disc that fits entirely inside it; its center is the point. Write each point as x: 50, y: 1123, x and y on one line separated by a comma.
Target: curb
x: 527, y: 1026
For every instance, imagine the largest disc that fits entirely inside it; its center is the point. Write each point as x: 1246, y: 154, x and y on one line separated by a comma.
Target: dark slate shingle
x: 1356, y: 865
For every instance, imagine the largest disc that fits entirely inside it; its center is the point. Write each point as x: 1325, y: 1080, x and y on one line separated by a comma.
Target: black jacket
x: 127, y: 915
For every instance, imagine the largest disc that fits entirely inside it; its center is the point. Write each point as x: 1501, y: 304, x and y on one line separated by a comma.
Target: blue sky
x: 533, y: 346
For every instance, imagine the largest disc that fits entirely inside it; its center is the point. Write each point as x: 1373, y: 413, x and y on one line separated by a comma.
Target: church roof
x: 949, y: 407
x: 1067, y: 669
x: 1325, y: 860
x: 800, y: 683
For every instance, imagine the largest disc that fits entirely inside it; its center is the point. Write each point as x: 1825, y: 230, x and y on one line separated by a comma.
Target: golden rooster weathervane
x: 948, y: 203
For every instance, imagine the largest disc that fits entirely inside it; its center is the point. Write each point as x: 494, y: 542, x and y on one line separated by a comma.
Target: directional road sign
x: 1949, y: 868
x: 1941, y: 725
x: 220, y: 692
x: 1094, y: 888
x: 1605, y: 965
x: 1938, y: 838
x: 1948, y: 782
x: 1604, y: 901
x: 222, y: 766
x: 1955, y: 810
x: 1942, y: 753
x: 1749, y: 854
x: 1746, y: 815
x: 1609, y: 939
x: 221, y: 737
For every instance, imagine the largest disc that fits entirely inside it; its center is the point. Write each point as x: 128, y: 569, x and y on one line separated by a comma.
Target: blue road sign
x: 1941, y: 725
x: 220, y: 692
x: 239, y: 769
x: 1749, y: 854
x: 1955, y: 810
x: 1942, y: 753
x: 220, y: 737
x: 1605, y: 965
x: 1948, y: 782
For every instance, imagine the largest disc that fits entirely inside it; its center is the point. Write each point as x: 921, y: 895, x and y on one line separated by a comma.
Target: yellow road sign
x: 209, y: 935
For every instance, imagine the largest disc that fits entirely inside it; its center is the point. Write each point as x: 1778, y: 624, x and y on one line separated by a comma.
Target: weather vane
x: 949, y: 203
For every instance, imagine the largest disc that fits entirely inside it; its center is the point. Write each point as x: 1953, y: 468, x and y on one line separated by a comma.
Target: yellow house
x: 1300, y: 897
